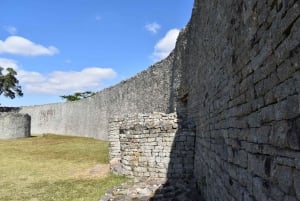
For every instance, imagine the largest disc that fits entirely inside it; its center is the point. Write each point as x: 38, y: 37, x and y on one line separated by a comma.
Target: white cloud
x: 30, y: 77
x: 11, y: 29
x: 8, y: 63
x: 59, y: 82
x: 165, y: 45
x: 23, y: 76
x: 153, y: 27
x: 22, y: 46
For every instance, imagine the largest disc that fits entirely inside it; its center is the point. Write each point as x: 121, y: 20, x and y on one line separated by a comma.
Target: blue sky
x: 59, y: 47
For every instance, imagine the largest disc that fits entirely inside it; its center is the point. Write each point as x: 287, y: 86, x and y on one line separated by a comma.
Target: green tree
x: 9, y: 84
x: 78, y: 95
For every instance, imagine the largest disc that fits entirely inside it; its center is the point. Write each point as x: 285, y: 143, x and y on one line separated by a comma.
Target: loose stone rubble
x: 154, y: 190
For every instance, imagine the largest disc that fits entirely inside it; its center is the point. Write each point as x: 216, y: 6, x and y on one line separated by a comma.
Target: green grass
x: 57, y: 168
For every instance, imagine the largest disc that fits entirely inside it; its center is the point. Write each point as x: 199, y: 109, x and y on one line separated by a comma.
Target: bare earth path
x: 97, y: 171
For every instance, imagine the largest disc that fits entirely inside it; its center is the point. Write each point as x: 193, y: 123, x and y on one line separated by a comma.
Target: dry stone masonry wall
x: 89, y: 117
x: 151, y: 145
x: 241, y: 85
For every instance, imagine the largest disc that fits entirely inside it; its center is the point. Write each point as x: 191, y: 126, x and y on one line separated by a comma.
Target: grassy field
x: 56, y: 168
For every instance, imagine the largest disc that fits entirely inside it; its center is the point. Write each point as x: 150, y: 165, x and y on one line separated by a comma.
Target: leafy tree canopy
x: 78, y: 95
x: 9, y: 84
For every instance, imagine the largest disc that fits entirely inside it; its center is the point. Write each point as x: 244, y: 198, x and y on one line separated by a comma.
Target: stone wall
x: 151, y: 145
x: 240, y: 86
x: 9, y: 109
x: 234, y: 77
x: 89, y: 117
x: 14, y: 125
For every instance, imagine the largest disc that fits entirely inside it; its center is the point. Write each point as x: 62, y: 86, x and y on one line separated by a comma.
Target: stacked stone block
x: 242, y: 77
x: 151, y: 145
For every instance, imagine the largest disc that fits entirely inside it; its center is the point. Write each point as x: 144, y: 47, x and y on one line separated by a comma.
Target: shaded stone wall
x: 9, y: 109
x: 151, y: 145
x: 14, y: 125
x: 240, y: 86
x: 89, y: 117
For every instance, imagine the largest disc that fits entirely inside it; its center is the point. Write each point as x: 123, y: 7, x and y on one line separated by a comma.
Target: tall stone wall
x: 89, y: 117
x: 151, y: 145
x: 240, y: 86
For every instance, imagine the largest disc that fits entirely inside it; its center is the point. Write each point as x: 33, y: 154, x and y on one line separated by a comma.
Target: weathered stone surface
x: 144, y: 145
x: 239, y: 66
x: 89, y: 117
x: 14, y: 125
x: 297, y: 183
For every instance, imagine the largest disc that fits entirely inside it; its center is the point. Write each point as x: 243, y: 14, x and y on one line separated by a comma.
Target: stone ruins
x: 144, y: 145
x: 222, y: 108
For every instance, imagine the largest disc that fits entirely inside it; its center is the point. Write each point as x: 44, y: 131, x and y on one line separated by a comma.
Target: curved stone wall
x: 146, y: 92
x: 14, y: 125
x: 241, y: 87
